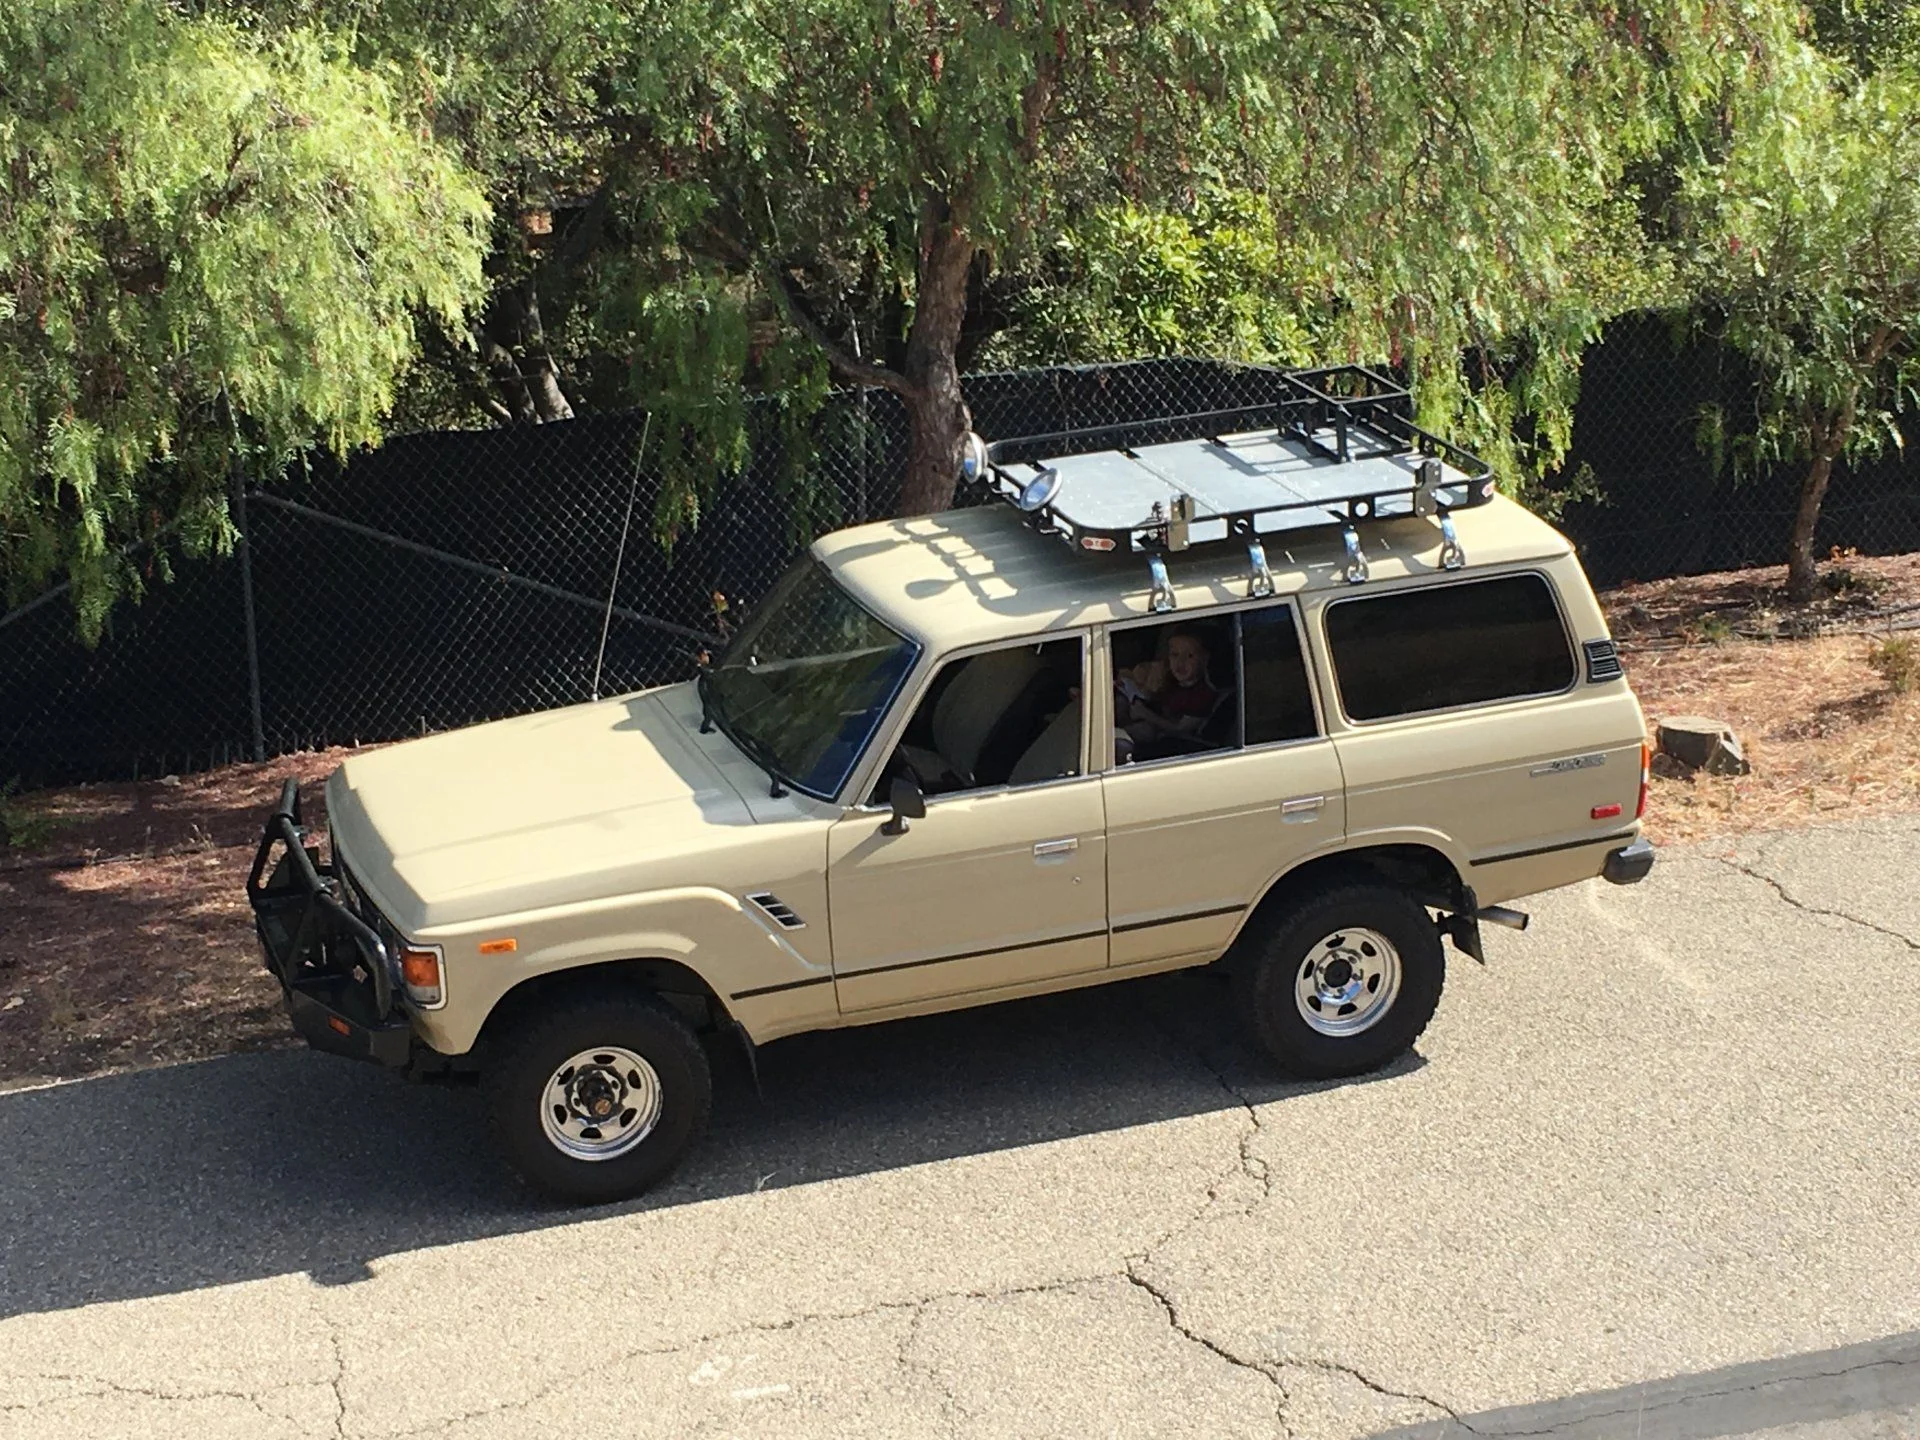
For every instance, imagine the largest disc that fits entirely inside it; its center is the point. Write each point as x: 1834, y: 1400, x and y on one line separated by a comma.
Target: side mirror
x: 907, y: 802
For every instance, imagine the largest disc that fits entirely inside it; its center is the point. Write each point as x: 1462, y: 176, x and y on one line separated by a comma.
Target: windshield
x: 803, y: 685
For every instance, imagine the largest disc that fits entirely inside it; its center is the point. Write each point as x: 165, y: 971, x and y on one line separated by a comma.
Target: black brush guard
x: 339, y: 977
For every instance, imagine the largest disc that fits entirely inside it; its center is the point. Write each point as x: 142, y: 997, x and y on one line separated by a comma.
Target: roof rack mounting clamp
x: 1355, y: 570
x: 1160, y: 598
x: 1180, y: 516
x: 1259, y: 577
x: 1426, y: 486
x: 1452, y: 557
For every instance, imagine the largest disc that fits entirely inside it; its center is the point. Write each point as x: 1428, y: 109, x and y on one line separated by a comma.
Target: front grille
x: 355, y: 899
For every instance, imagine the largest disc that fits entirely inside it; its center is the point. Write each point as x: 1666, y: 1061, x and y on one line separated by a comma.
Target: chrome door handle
x: 1300, y: 804
x: 1056, y: 847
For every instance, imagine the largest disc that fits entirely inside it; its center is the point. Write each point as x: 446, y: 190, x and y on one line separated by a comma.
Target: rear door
x: 1196, y: 829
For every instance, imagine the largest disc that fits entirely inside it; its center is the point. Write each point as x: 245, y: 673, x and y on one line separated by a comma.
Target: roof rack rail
x: 1335, y: 445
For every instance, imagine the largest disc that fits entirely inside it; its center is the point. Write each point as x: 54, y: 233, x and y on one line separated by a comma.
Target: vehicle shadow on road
x: 160, y: 1181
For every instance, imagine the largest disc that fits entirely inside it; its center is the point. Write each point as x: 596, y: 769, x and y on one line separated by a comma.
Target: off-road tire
x: 531, y: 1052
x: 1273, y: 958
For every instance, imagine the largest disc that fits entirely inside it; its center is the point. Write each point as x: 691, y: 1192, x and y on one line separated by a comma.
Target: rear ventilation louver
x: 1603, y: 661
x: 781, y: 912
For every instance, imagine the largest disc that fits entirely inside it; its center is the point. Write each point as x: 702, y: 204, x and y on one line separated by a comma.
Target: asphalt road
x: 1655, y: 1172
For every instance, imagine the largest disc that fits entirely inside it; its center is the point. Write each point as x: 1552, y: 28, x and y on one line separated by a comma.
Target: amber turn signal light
x: 420, y: 969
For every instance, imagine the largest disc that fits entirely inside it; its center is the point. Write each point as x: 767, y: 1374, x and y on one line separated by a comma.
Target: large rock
x: 1703, y: 744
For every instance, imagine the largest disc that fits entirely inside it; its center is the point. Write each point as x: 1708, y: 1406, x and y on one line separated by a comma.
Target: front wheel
x: 1344, y: 981
x: 597, y: 1097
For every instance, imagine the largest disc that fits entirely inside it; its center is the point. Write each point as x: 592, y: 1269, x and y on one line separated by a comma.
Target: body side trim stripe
x: 995, y: 950
x: 783, y: 985
x: 1178, y: 919
x: 1552, y: 849
x: 975, y: 954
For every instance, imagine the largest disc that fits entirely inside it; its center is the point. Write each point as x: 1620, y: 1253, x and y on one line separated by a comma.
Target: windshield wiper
x: 757, y: 752
x: 702, y: 686
x: 753, y: 749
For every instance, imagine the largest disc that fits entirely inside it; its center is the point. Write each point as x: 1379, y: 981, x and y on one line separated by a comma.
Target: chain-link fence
x: 1667, y: 507
x: 448, y: 578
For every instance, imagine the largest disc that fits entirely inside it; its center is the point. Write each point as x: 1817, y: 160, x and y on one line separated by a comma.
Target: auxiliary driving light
x: 1040, y: 490
x: 973, y: 457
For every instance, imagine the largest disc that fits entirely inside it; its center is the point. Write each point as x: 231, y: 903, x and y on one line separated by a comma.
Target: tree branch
x: 846, y: 367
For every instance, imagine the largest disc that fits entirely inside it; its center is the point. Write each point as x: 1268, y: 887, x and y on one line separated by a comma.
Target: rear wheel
x: 599, y: 1095
x: 1343, y: 982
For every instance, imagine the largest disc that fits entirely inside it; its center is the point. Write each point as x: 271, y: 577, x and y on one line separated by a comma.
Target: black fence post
x: 245, y: 554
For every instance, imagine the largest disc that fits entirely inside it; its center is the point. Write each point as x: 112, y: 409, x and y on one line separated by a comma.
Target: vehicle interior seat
x: 1054, y: 753
x: 968, y: 710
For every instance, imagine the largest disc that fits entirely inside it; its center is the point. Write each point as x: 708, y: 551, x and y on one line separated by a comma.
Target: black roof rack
x: 1331, y: 446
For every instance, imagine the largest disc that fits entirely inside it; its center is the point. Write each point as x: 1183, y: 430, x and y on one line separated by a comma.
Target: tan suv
x: 1289, y: 690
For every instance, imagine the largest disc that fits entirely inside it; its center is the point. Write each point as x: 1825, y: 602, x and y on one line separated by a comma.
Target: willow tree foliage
x: 1440, y: 178
x: 210, y: 242
x: 868, y: 190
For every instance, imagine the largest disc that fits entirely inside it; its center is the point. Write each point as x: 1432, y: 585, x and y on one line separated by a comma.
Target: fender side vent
x: 1603, y: 661
x: 781, y: 912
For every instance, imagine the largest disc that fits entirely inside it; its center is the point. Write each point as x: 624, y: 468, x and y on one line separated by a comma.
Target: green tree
x: 1126, y: 282
x: 1441, y: 179
x: 1809, y: 251
x: 210, y: 241
x: 872, y: 188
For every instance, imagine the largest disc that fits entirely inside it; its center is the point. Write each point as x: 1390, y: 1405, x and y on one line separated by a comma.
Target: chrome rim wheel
x: 601, y: 1103
x: 1347, y: 982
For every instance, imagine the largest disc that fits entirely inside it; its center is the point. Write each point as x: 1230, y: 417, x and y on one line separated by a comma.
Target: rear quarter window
x: 1472, y: 643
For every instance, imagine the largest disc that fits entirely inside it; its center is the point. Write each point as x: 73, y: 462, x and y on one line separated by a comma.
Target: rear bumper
x: 340, y: 980
x: 1629, y: 864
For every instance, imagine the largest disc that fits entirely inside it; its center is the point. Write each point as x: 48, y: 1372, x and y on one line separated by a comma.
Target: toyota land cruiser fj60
x: 1287, y: 690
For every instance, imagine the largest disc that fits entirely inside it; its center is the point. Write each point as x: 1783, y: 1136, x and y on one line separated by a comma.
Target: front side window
x: 1011, y: 716
x: 1466, y: 644
x: 803, y: 685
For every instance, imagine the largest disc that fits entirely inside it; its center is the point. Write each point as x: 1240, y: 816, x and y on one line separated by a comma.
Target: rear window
x: 1465, y: 644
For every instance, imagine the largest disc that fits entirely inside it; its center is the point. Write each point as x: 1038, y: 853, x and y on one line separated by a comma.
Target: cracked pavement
x: 1657, y: 1165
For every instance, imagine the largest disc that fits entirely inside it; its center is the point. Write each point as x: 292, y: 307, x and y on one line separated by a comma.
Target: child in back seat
x: 1182, y: 703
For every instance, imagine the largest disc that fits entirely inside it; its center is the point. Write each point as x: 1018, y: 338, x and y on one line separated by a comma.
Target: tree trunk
x: 514, y: 346
x: 1800, y: 563
x: 1829, y: 439
x: 936, y: 414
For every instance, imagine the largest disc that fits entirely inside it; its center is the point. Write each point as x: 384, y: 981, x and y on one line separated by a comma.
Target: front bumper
x: 340, y: 979
x: 1630, y: 864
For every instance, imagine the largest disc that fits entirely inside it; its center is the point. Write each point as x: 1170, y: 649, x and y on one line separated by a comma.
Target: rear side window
x: 1466, y: 644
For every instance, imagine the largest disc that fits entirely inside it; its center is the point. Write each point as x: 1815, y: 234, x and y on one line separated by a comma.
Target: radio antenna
x: 619, y: 556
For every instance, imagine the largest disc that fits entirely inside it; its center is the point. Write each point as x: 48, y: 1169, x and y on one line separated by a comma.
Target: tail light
x: 1646, y: 772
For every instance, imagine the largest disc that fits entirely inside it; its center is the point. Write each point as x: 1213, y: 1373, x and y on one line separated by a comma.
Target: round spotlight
x: 973, y: 457
x: 1040, y: 490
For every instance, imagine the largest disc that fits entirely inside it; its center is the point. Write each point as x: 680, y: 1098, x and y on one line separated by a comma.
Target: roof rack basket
x: 1326, y: 446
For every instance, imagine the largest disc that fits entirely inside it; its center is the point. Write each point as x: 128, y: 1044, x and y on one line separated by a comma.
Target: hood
x: 521, y: 814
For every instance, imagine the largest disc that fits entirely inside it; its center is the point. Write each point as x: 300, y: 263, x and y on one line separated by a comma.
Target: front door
x: 1004, y: 881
